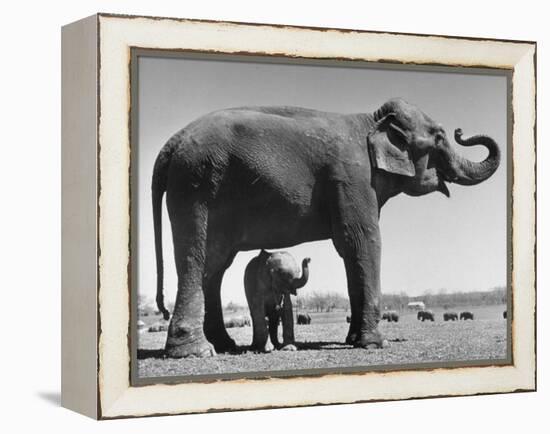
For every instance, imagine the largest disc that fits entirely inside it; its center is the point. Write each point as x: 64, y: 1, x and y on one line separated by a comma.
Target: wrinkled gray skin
x: 269, y: 280
x: 273, y: 177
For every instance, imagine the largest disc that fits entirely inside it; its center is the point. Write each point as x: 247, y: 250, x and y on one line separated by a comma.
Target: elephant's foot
x: 225, y: 346
x: 351, y: 338
x: 222, y: 342
x: 371, y: 340
x: 216, y: 334
x: 201, y: 348
x: 259, y: 348
x: 289, y: 347
x: 186, y: 342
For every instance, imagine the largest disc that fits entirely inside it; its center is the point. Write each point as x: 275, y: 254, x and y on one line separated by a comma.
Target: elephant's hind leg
x: 214, y: 327
x: 185, y: 332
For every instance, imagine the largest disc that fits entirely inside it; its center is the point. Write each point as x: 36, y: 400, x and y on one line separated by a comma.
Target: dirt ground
x: 320, y: 345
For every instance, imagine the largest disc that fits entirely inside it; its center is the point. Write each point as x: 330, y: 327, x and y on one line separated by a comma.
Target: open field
x: 320, y: 345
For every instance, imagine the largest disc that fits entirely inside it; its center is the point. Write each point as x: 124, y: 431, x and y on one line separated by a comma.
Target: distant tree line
x: 328, y: 301
x: 317, y: 301
x: 443, y: 298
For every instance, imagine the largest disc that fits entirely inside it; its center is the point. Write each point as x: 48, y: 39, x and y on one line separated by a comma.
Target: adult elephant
x: 450, y: 316
x: 271, y: 177
x: 390, y: 315
x: 303, y: 319
x: 239, y: 321
x: 269, y: 280
x: 425, y: 315
x: 466, y: 315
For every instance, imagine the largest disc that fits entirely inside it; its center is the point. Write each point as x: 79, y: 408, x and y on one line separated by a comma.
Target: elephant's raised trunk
x: 299, y: 283
x: 465, y: 172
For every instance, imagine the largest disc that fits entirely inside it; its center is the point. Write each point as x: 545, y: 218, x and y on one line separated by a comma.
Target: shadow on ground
x: 319, y: 345
x: 150, y: 354
x: 159, y: 353
x: 52, y: 398
x: 323, y: 345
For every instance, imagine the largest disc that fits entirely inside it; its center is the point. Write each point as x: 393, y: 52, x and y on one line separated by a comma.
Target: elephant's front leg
x: 256, y: 304
x: 255, y: 295
x: 273, y: 316
x: 260, y: 341
x: 288, y: 324
x: 363, y: 271
x: 356, y: 236
x: 214, y: 328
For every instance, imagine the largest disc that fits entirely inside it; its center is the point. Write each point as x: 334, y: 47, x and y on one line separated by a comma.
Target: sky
x: 429, y: 243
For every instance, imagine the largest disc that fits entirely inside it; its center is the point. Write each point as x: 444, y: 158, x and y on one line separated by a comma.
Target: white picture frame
x: 96, y: 280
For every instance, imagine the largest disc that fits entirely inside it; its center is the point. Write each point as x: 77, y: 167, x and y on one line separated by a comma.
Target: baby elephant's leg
x: 260, y: 341
x: 273, y: 319
x: 288, y: 325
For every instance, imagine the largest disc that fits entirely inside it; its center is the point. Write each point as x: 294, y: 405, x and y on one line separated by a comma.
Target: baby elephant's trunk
x: 299, y: 283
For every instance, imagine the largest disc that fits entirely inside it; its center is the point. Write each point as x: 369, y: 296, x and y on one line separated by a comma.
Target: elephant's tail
x: 158, y: 187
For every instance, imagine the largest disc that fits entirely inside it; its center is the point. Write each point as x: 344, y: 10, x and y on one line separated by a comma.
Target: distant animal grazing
x: 269, y: 280
x: 390, y: 315
x: 425, y: 315
x: 348, y: 319
x: 303, y: 318
x: 155, y: 328
x: 238, y: 321
x: 466, y: 315
x: 450, y: 316
x: 504, y: 315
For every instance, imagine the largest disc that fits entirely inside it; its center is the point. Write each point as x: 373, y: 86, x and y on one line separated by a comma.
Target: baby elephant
x: 269, y: 280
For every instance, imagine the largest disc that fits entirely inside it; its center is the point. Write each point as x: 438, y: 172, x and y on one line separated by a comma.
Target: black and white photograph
x: 295, y: 217
x: 275, y: 217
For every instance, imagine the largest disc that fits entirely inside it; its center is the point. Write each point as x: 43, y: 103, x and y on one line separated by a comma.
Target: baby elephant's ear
x: 388, y: 151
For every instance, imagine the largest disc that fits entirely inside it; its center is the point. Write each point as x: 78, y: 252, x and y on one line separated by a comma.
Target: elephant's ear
x: 388, y: 151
